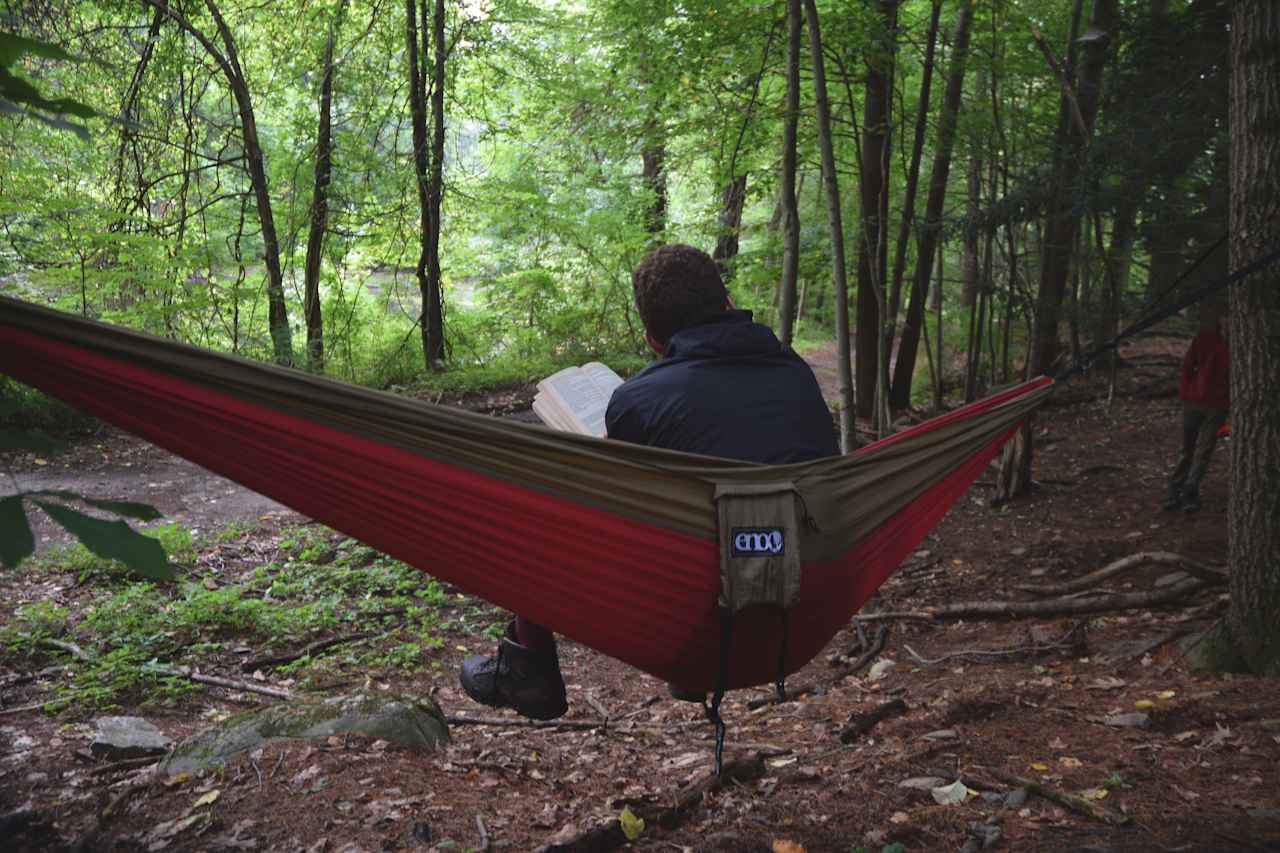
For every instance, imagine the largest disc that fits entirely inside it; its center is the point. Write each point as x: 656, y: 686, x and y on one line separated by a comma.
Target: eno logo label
x: 757, y: 541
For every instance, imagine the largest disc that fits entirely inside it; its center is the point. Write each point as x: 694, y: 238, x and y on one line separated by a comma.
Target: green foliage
x: 317, y: 584
x: 18, y: 95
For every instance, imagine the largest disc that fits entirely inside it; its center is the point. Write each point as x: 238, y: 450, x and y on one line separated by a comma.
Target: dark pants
x: 1200, y: 427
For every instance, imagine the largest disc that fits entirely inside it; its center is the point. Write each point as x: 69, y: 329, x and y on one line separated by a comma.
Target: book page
x: 576, y: 398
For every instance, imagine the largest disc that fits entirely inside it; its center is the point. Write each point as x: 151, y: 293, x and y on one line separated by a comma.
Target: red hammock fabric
x: 640, y: 592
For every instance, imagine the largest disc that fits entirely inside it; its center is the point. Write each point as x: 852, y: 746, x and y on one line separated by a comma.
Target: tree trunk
x: 839, y: 279
x: 913, y: 175
x: 433, y: 328
x: 731, y: 202
x: 1064, y: 216
x: 428, y: 171
x: 1253, y: 618
x: 229, y: 64
x: 654, y: 158
x: 872, y: 242
x: 905, y: 366
x: 319, y: 216
x: 788, y: 202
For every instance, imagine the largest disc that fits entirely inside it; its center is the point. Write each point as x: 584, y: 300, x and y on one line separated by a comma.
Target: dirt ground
x: 984, y: 699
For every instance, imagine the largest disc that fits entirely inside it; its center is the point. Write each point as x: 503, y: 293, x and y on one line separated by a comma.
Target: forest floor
x: 983, y: 700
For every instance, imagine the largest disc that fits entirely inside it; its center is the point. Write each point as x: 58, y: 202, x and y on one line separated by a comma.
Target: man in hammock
x: 722, y: 386
x: 1204, y: 388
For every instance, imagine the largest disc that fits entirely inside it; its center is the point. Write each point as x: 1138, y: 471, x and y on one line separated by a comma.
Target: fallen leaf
x: 956, y: 792
x: 1166, y: 694
x: 1069, y: 761
x: 176, y: 780
x: 781, y: 845
x: 207, y: 800
x: 40, y: 461
x: 1095, y: 794
x: 1107, y: 682
x: 1144, y: 703
x: 899, y: 817
x: 1039, y: 765
x: 632, y: 826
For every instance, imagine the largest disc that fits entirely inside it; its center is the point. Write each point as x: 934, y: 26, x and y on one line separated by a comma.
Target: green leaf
x: 16, y: 541
x: 17, y: 439
x: 14, y: 47
x: 113, y: 540
x: 129, y: 509
x: 631, y: 825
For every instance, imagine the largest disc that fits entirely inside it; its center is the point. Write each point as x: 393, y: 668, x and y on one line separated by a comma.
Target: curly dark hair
x: 676, y: 287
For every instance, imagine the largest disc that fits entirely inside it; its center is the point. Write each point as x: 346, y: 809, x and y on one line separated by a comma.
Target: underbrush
x: 229, y: 607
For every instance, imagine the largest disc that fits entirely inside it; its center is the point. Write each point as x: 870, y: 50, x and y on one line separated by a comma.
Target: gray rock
x: 941, y: 734
x: 923, y: 783
x: 992, y: 797
x: 1128, y: 721
x: 118, y: 738
x: 416, y: 724
x: 1015, y: 798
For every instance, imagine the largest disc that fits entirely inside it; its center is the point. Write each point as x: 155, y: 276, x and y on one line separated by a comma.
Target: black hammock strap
x: 1156, y: 316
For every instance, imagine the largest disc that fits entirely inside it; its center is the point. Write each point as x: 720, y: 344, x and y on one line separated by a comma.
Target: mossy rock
x: 415, y: 724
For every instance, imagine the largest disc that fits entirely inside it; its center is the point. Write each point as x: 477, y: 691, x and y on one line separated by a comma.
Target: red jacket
x: 1205, y: 376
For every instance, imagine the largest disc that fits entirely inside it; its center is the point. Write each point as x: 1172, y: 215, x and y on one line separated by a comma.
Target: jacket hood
x: 732, y: 334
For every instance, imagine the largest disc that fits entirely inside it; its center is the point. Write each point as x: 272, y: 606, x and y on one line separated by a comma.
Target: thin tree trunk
x: 1063, y: 215
x: 790, y: 208
x: 937, y: 318
x: 428, y: 171
x: 905, y: 366
x: 319, y: 216
x: 433, y: 344
x: 913, y: 175
x: 872, y: 245
x: 229, y: 64
x: 839, y: 279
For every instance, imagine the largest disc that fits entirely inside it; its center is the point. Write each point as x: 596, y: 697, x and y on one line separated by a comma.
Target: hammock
x: 611, y: 544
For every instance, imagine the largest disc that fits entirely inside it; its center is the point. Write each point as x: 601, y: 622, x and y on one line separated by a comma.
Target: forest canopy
x: 298, y: 180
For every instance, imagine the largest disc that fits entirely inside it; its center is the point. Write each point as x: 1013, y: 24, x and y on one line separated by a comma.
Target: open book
x: 575, y: 399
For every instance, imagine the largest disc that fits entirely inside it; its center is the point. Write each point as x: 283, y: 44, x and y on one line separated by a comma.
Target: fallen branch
x: 1074, y: 802
x: 1191, y: 567
x: 22, y: 708
x: 1068, y: 606
x: 485, y: 844
x: 889, y: 615
x: 318, y: 646
x: 866, y: 722
x: 191, y: 675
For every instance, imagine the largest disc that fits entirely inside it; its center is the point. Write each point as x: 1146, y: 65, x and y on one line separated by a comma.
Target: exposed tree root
x: 866, y: 722
x: 1119, y: 567
x: 1068, y: 606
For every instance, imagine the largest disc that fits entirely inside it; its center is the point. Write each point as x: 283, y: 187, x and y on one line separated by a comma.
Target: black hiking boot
x: 516, y: 677
x: 1174, y: 501
x: 1191, y: 502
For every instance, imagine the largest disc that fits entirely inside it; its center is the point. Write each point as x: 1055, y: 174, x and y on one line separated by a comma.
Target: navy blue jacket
x: 726, y: 388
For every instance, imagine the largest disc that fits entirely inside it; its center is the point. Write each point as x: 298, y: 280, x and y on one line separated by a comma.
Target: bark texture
x: 787, y: 202
x: 931, y: 229
x: 872, y: 242
x: 319, y: 216
x: 839, y: 279
x: 1254, y: 516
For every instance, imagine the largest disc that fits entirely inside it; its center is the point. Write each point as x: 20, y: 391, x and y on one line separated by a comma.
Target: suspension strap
x: 1087, y: 359
x: 781, y: 682
x: 712, y: 709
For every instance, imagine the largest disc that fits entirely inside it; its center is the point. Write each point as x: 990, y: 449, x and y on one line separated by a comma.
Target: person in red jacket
x: 1205, y: 391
